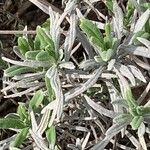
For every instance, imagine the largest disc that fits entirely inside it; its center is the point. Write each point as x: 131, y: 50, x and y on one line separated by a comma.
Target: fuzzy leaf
x: 44, y: 38
x: 49, y: 88
x: 137, y: 73
x: 142, y: 20
x: 36, y: 99
x: 122, y: 118
x: 20, y: 138
x: 136, y: 122
x: 32, y: 54
x: 51, y: 136
x: 44, y: 56
x: 23, y: 45
x: 126, y: 72
x: 91, y: 29
x: 17, y: 70
x: 6, y: 123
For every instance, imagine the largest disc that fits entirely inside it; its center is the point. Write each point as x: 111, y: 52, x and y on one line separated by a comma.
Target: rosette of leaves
x: 37, y: 57
x: 25, y: 124
x: 115, y: 44
x: 105, y: 46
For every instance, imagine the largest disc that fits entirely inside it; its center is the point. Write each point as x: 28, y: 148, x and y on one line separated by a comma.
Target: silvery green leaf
x: 71, y: 5
x: 109, y: 54
x: 116, y: 128
x: 136, y: 122
x: 136, y: 5
x: 141, y: 63
x: 111, y: 64
x: 17, y: 52
x: 17, y: 70
x: 70, y: 38
x: 127, y: 73
x: 118, y: 19
x: 112, y: 131
x: 20, y: 137
x: 50, y: 106
x: 126, y: 90
x: 36, y: 99
x: 137, y: 73
x: 122, y: 118
x: 141, y: 132
x: 141, y: 129
x: 44, y: 122
x: 84, y: 143
x: 141, y: 21
x: 28, y: 63
x: 101, y: 144
x: 23, y: 45
x: 145, y: 42
x: 88, y: 63
x: 85, y: 43
x: 67, y: 65
x: 31, y: 54
x: 99, y: 108
x: 120, y: 102
x: 98, y: 59
x: 137, y: 50
x: 114, y: 94
x: 19, y: 94
x: 51, y: 136
x: 91, y: 29
x: 39, y: 141
x: 89, y: 83
x: 53, y: 75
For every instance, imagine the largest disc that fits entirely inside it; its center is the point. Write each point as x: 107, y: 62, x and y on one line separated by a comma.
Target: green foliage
x: 36, y: 100
x: 103, y: 45
x: 56, y: 90
x: 6, y: 123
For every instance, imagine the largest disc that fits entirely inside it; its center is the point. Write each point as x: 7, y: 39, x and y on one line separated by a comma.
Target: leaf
x: 17, y: 70
x: 137, y: 50
x: 67, y: 65
x: 32, y: 54
x: 44, y: 56
x: 91, y: 29
x: 44, y: 38
x: 112, y: 131
x: 97, y: 44
x: 36, y: 99
x: 116, y: 128
x: 20, y: 138
x: 118, y: 19
x: 136, y: 122
x: 122, y: 118
x: 23, y: 45
x: 36, y: 43
x: 89, y: 83
x: 137, y: 73
x: 124, y: 70
x: 51, y: 51
x: 51, y: 137
x: 99, y: 108
x: 141, y: 21
x: 6, y: 123
x: 144, y: 41
x: 28, y: 63
x: 49, y: 88
x: 22, y: 111
x: 109, y: 4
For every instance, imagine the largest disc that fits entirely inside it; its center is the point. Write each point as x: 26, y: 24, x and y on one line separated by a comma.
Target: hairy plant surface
x: 80, y: 76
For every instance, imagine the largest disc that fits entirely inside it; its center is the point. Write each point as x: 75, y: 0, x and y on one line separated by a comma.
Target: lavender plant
x: 81, y: 98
